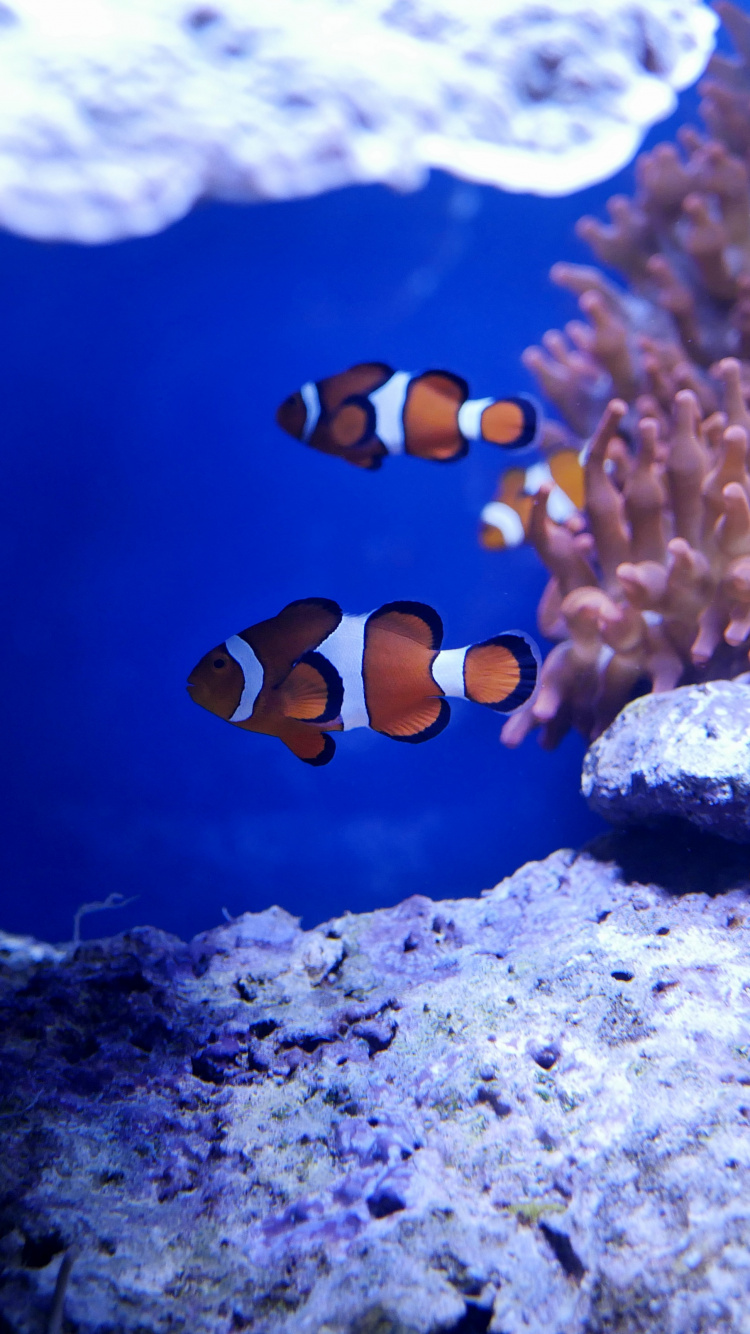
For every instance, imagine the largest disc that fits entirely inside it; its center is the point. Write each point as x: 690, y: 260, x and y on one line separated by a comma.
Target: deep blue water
x: 150, y: 507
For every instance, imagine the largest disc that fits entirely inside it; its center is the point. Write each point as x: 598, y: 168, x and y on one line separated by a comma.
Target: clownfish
x: 504, y: 522
x: 311, y: 671
x: 371, y: 411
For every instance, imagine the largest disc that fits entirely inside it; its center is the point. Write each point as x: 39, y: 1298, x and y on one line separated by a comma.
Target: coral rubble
x: 116, y: 115
x: 650, y: 583
x: 526, y: 1111
x: 683, y: 754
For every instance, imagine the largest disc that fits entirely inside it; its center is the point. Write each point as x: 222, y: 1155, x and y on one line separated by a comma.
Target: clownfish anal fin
x: 307, y: 743
x: 422, y: 724
x: 313, y: 690
x: 413, y: 620
x: 502, y: 672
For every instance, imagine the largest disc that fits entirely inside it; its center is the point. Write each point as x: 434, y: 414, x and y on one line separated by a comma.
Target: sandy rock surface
x: 684, y: 753
x: 116, y: 115
x: 524, y: 1112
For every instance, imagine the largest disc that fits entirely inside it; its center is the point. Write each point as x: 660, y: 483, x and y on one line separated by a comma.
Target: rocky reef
x: 117, y: 115
x: 528, y: 1111
x: 683, y: 754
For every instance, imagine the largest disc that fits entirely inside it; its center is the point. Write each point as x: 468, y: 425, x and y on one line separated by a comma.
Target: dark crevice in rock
x: 384, y: 1203
x: 545, y: 1057
x: 475, y: 1320
x: 263, y: 1029
x: 39, y: 1251
x: 563, y: 1248
x: 675, y: 856
x: 494, y: 1100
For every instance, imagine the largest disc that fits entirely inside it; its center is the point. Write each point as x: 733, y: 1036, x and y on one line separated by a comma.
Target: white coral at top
x: 116, y: 115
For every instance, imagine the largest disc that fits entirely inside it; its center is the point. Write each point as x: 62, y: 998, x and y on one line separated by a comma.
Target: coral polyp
x: 654, y: 590
x: 650, y: 577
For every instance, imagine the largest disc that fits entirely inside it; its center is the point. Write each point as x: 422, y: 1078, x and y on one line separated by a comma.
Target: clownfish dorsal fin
x: 403, y: 701
x: 414, y: 620
x: 283, y: 639
x: 502, y: 672
x: 312, y: 691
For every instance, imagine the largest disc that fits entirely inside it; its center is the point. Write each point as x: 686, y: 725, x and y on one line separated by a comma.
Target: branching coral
x: 650, y: 577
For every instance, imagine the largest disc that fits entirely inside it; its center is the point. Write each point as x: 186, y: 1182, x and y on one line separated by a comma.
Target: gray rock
x: 524, y: 1112
x: 685, y: 753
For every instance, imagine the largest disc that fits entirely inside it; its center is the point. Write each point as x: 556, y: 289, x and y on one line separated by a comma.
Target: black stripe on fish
x: 334, y: 685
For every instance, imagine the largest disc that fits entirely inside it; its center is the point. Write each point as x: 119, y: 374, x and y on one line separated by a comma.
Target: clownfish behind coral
x: 370, y: 411
x: 312, y: 670
x: 504, y: 522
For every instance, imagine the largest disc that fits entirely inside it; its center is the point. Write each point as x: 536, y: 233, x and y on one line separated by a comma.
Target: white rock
x: 116, y: 115
x: 683, y: 753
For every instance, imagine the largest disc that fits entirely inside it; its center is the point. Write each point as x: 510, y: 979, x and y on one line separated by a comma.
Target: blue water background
x: 149, y: 507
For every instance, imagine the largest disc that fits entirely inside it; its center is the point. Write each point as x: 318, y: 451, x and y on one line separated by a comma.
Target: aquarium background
x: 150, y: 507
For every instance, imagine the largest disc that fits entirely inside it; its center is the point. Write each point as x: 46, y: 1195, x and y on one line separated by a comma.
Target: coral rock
x: 117, y: 115
x: 685, y: 753
x: 527, y: 1111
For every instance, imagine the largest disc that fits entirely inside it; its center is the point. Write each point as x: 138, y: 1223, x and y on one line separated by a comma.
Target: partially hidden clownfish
x: 504, y: 522
x: 312, y: 670
x: 370, y: 411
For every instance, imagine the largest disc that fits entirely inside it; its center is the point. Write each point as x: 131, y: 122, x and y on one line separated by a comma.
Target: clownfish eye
x: 219, y: 662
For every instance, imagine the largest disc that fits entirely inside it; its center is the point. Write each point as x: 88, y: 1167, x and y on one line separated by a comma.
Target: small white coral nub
x: 117, y: 115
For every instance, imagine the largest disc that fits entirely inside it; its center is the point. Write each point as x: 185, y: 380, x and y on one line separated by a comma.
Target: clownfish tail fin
x: 502, y: 672
x: 513, y: 423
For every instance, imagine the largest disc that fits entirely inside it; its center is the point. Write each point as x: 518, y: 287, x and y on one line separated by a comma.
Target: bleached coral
x: 116, y: 115
x: 650, y: 585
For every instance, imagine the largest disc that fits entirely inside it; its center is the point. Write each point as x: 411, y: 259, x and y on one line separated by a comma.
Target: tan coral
x: 650, y: 576
x: 655, y: 591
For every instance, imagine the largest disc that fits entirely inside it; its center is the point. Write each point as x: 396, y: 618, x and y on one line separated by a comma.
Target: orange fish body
x: 504, y: 522
x: 370, y: 411
x: 312, y: 670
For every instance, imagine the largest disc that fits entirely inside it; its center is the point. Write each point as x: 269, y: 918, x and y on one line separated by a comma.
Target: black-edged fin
x: 313, y: 691
x: 501, y: 673
x: 429, y: 726
x: 414, y: 620
x: 511, y: 423
x: 307, y: 743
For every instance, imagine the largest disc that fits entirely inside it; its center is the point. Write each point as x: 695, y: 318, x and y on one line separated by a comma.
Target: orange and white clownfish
x: 312, y: 670
x: 504, y: 522
x: 370, y: 411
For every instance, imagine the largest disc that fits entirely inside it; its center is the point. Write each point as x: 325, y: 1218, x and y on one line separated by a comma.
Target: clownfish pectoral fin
x: 307, y: 743
x: 502, y: 672
x: 313, y: 691
x: 511, y: 422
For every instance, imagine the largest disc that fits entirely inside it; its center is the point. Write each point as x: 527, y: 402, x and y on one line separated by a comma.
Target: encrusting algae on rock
x: 641, y: 512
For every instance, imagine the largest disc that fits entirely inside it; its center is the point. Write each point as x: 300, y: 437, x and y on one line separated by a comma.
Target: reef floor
x: 527, y: 1111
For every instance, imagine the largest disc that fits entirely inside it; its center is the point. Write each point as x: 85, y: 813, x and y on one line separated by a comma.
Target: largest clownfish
x: 311, y: 671
x: 370, y: 411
